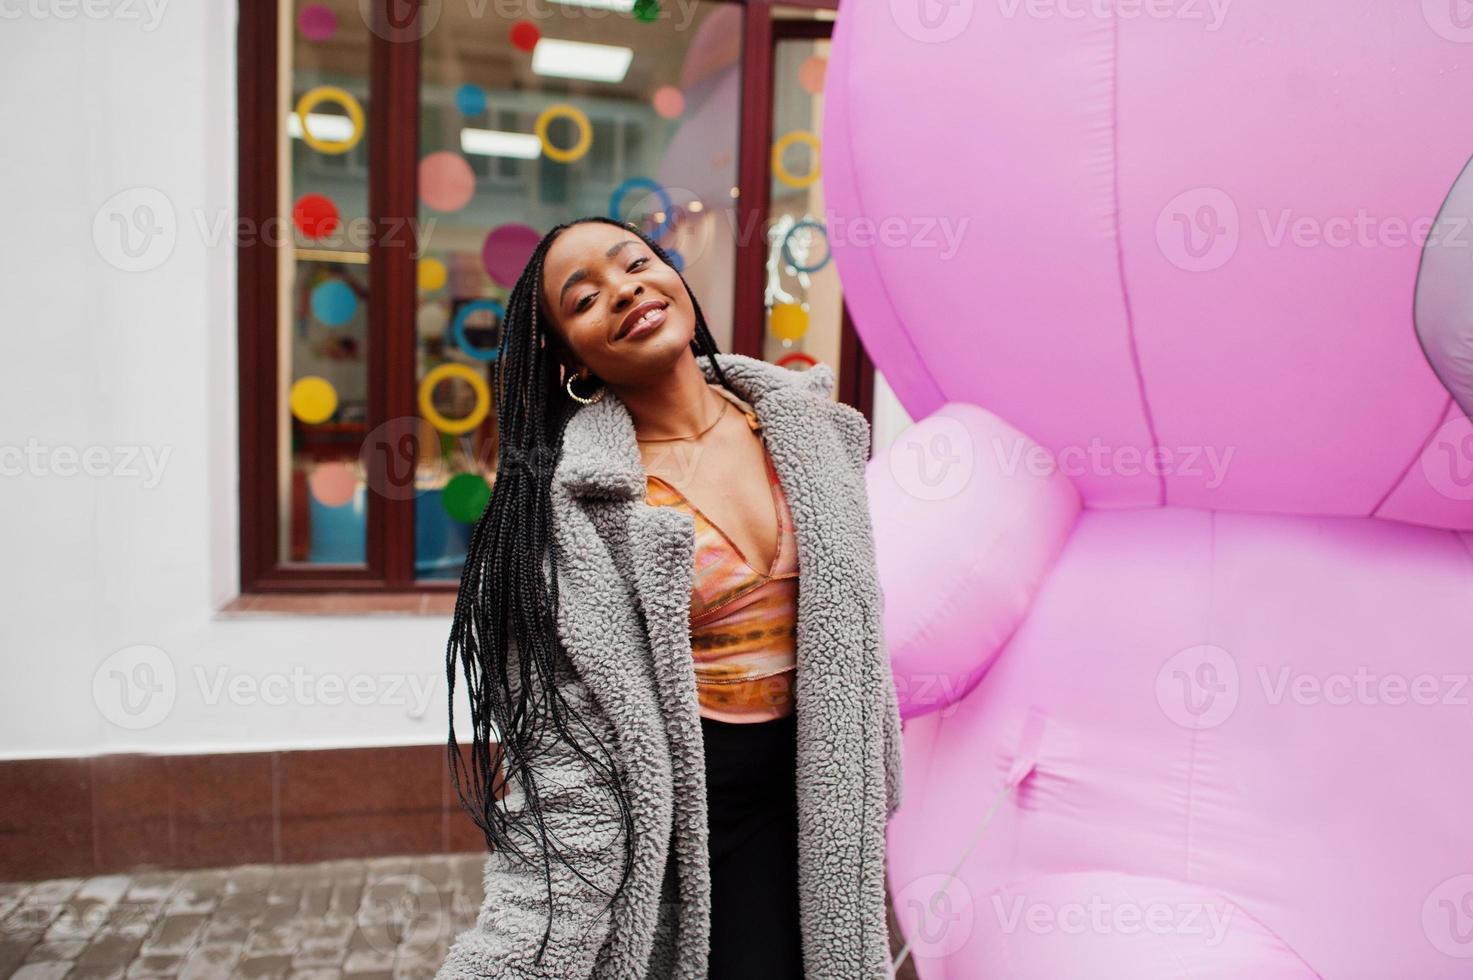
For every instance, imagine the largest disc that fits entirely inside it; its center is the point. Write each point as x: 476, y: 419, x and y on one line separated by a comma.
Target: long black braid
x: 506, y: 606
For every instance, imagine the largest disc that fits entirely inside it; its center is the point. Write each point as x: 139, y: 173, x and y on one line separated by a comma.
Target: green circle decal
x: 465, y: 497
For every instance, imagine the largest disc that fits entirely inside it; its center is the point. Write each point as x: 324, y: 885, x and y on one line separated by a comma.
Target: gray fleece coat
x: 625, y: 575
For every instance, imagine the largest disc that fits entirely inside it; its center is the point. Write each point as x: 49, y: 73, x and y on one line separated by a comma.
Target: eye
x: 638, y: 262
x: 583, y: 302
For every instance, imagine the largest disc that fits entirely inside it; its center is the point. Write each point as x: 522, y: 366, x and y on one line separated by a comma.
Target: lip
x: 626, y: 326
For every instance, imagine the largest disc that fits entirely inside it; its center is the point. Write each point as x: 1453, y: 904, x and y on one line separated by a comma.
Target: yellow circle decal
x: 781, y: 146
x: 314, y: 399
x: 454, y: 427
x: 431, y: 274
x: 564, y: 110
x: 330, y: 93
x: 789, y: 321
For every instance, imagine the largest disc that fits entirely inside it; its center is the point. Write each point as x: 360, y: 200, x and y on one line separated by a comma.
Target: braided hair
x: 507, y: 606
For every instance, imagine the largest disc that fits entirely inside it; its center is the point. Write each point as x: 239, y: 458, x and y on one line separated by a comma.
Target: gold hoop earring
x: 579, y: 398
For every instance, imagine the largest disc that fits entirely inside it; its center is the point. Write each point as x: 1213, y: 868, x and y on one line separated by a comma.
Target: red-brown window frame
x: 394, y: 77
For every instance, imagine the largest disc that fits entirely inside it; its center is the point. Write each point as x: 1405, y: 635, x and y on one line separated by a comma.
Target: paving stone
x: 108, y: 951
x: 324, y: 943
x: 13, y: 950
x: 42, y: 971
x: 211, y: 961
x: 174, y: 935
x: 49, y: 951
x: 107, y: 889
x: 315, y: 974
x: 53, y: 892
x: 133, y: 919
x: 263, y: 967
x: 152, y: 886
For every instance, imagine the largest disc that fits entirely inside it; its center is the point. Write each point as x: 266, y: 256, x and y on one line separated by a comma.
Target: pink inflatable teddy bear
x: 1177, y: 562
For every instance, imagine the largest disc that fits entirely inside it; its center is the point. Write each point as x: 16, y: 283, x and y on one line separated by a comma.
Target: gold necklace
x: 719, y: 416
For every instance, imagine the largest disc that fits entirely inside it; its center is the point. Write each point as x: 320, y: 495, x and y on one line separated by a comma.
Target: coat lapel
x: 604, y: 526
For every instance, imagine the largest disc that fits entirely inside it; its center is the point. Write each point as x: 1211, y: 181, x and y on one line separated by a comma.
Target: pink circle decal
x: 811, y: 74
x: 332, y: 484
x: 446, y: 182
x: 506, y: 252
x: 669, y: 101
x: 317, y: 22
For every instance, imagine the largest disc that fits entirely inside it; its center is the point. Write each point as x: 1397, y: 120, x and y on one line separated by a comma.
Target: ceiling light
x: 494, y: 143
x: 576, y: 59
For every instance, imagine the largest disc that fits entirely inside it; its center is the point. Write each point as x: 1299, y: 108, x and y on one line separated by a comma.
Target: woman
x: 644, y: 819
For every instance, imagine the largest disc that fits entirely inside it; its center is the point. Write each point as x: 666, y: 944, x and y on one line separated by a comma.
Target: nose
x: 627, y: 293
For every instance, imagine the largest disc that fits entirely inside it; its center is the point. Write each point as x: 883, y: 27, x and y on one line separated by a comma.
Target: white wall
x: 110, y: 106
x: 101, y: 98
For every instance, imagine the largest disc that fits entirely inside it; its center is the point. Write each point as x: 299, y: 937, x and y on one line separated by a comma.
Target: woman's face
x: 622, y: 314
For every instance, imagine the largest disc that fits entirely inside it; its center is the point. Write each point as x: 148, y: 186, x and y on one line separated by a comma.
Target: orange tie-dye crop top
x: 742, y: 620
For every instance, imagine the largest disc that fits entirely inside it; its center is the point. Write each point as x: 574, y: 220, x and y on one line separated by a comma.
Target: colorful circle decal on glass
x: 431, y: 321
x: 667, y: 207
x: 457, y: 328
x: 646, y: 11
x: 811, y: 74
x: 465, y: 497
x: 524, y: 35
x: 311, y: 99
x: 317, y: 22
x: 313, y: 399
x: 669, y: 102
x: 470, y: 100
x: 815, y: 231
x: 332, y: 484
x: 506, y: 250
x: 446, y: 182
x: 430, y: 274
x: 780, y: 170
x: 334, y: 302
x: 578, y: 118
x: 448, y: 372
x: 796, y: 357
x: 789, y: 321
x: 316, y: 216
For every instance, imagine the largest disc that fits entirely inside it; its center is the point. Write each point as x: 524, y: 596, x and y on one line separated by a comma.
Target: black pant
x: 752, y: 802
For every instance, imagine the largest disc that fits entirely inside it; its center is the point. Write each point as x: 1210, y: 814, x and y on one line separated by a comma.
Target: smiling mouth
x: 638, y: 315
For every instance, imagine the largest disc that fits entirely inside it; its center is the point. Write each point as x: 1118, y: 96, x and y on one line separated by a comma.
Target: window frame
x: 394, y: 104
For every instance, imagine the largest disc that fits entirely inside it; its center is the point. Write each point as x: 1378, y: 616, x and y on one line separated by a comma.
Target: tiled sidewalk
x: 355, y: 920
x: 378, y: 918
